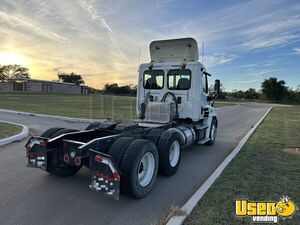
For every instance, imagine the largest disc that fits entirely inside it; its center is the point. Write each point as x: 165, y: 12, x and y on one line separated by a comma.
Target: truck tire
x: 49, y: 133
x: 169, y: 150
x: 212, y: 133
x: 118, y: 149
x: 154, y: 135
x: 92, y: 126
x: 53, y: 164
x: 139, y: 168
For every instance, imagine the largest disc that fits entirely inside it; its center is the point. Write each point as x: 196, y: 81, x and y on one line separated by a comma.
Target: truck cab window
x: 179, y: 79
x: 153, y: 79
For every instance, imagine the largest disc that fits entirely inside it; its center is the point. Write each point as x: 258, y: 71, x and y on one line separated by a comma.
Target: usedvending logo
x: 265, y: 212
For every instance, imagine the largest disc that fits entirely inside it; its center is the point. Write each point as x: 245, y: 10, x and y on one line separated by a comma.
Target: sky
x: 245, y: 41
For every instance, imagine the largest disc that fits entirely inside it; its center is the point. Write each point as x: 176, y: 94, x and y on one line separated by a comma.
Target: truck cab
x: 174, y: 68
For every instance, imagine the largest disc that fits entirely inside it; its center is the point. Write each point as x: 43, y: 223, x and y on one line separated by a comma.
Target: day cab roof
x: 174, y: 50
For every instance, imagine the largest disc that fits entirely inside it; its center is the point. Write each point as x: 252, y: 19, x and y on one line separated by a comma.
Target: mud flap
x: 105, y: 176
x: 36, y: 153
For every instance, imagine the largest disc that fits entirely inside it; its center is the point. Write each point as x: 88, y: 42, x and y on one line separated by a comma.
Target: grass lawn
x: 7, y: 130
x: 82, y: 106
x: 263, y: 170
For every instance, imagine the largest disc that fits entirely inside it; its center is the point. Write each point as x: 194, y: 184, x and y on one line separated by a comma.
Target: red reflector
x: 77, y: 161
x: 117, y: 177
x: 42, y: 142
x: 28, y: 148
x: 66, y: 158
x: 98, y: 158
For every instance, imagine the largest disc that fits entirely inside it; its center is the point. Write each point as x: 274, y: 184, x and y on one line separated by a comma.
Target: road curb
x: 70, y: 119
x: 23, y: 134
x: 188, y: 207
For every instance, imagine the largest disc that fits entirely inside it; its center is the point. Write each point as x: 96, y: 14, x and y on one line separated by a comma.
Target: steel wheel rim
x: 146, y: 169
x: 174, y: 153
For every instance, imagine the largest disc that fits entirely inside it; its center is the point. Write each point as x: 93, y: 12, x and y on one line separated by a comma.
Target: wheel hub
x: 174, y: 153
x: 141, y: 169
x: 146, y: 169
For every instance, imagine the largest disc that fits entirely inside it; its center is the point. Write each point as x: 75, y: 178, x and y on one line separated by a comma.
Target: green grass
x: 261, y: 171
x: 7, y: 130
x: 83, y: 106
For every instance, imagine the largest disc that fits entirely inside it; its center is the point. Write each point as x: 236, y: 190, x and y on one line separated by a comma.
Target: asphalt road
x: 32, y: 196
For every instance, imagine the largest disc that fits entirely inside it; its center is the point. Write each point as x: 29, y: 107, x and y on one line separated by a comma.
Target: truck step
x: 203, y: 141
x: 201, y: 127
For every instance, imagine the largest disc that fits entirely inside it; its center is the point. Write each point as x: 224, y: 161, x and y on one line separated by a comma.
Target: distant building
x: 33, y: 85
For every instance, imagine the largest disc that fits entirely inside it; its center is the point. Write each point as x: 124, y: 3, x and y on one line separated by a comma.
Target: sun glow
x: 7, y: 58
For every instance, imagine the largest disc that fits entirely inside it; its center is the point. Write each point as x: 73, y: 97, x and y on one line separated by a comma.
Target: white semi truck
x: 175, y: 110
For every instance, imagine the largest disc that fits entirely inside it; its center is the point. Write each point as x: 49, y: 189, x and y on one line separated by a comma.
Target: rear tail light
x: 42, y: 142
x: 117, y: 177
x: 28, y: 148
x: 77, y: 161
x: 66, y: 158
x: 98, y: 158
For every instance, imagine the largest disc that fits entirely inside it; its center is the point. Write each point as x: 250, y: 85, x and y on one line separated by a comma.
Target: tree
x: 124, y: 90
x: 70, y: 78
x: 237, y: 94
x: 114, y: 88
x: 222, y: 94
x: 111, y: 88
x: 13, y: 71
x: 273, y: 89
x: 134, y: 90
x: 251, y: 94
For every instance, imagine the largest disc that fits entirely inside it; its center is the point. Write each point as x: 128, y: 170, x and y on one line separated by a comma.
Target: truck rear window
x: 179, y: 79
x: 153, y: 79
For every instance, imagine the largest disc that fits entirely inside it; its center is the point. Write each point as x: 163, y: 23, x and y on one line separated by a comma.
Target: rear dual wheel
x: 138, y: 162
x: 118, y: 149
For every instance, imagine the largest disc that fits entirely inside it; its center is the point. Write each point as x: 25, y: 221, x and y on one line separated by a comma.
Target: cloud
x: 218, y: 59
x: 101, y: 38
x: 96, y: 16
x: 248, y: 65
x: 297, y: 50
x: 18, y: 23
x: 245, y: 26
x: 162, y: 3
x: 269, y: 42
x: 245, y: 81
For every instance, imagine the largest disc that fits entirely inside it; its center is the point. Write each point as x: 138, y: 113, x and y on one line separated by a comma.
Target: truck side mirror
x: 217, y: 86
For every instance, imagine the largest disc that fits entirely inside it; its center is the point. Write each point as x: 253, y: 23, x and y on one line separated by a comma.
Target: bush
x: 122, y: 90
